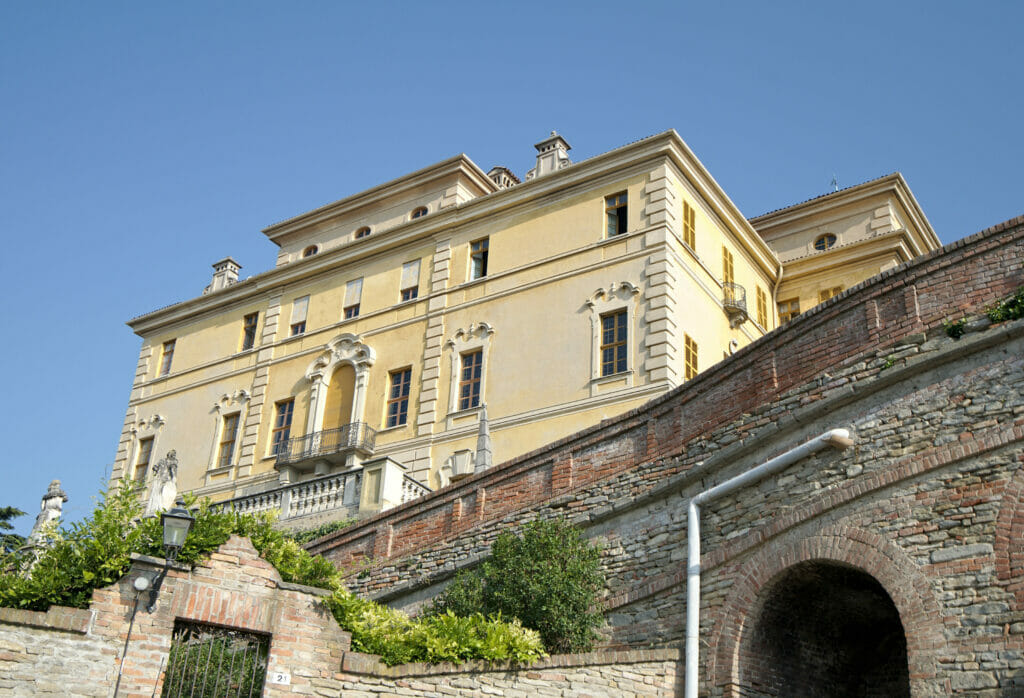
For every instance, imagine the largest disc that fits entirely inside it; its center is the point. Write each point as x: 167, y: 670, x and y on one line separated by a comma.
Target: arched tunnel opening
x: 824, y: 629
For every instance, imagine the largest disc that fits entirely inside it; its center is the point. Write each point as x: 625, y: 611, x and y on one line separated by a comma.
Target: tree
x: 549, y: 578
x: 9, y: 542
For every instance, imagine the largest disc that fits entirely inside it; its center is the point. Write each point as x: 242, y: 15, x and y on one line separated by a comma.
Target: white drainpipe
x: 838, y: 438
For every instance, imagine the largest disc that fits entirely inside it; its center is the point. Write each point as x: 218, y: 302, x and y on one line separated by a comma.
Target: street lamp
x: 176, y: 524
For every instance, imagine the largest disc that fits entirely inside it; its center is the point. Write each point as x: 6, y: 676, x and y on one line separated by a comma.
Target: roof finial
x: 835, y: 183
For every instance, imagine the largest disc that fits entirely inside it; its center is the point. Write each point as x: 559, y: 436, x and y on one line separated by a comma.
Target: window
x: 469, y: 379
x: 299, y: 308
x: 615, y: 210
x: 362, y: 232
x: 689, y: 357
x: 249, y: 323
x: 166, y: 356
x: 762, y: 308
x: 282, y: 426
x: 826, y: 293
x: 398, y: 397
x: 727, y: 270
x: 613, y: 342
x: 419, y: 212
x: 228, y: 435
x: 310, y: 251
x: 824, y: 242
x: 788, y: 309
x: 142, y: 459
x: 410, y: 280
x: 478, y: 258
x: 689, y: 227
x: 353, y: 296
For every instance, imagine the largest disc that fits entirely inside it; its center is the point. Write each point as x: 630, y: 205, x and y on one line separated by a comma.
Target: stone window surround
x: 618, y: 296
x: 344, y: 349
x: 475, y: 337
x: 228, y: 404
x: 143, y: 429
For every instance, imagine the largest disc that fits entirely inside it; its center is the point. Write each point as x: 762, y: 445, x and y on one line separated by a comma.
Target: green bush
x: 548, y: 579
x: 1010, y: 309
x: 306, y: 535
x: 955, y: 328
x: 96, y: 552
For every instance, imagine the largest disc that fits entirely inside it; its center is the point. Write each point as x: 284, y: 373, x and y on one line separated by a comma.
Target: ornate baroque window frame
x: 476, y: 336
x: 618, y: 296
x: 229, y: 403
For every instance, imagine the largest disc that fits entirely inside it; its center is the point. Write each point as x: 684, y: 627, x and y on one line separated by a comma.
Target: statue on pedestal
x: 163, y: 486
x: 51, y: 508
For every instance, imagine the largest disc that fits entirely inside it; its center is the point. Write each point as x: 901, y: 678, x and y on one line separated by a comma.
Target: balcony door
x: 340, y: 393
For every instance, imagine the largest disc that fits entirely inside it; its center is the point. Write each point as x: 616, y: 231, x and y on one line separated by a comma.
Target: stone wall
x: 40, y: 651
x: 623, y: 674
x: 925, y: 505
x: 77, y: 652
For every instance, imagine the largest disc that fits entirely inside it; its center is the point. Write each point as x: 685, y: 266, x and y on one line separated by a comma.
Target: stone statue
x: 51, y: 508
x: 163, y: 485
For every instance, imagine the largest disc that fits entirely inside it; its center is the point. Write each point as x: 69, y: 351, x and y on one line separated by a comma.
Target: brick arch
x: 1010, y: 529
x: 906, y: 585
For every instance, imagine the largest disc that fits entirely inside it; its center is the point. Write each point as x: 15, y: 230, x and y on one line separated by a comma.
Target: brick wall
x: 77, y: 652
x: 959, y: 278
x: 926, y: 504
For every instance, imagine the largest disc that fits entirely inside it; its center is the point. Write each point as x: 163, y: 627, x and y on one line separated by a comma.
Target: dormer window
x: 824, y: 242
x: 363, y: 232
x: 310, y: 251
x: 419, y: 212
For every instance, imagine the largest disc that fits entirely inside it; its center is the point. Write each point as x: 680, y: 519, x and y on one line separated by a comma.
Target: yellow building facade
x: 354, y: 375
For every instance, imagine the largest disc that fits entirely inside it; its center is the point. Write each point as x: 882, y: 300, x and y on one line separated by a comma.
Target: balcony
x: 336, y: 496
x: 734, y: 301
x: 332, y: 445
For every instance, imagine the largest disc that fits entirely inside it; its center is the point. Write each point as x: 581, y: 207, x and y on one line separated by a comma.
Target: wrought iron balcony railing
x: 357, y: 436
x: 734, y: 301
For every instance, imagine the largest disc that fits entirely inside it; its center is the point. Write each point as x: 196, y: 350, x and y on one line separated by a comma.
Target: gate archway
x: 823, y: 628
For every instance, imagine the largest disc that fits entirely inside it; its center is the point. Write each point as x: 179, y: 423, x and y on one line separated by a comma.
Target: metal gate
x: 207, y: 661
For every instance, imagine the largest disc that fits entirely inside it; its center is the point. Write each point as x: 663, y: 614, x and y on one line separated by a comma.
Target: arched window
x: 310, y: 251
x: 824, y: 241
x: 363, y: 232
x: 419, y: 212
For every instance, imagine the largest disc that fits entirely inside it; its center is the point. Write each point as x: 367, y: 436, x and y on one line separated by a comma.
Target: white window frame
x: 465, y: 341
x: 617, y: 297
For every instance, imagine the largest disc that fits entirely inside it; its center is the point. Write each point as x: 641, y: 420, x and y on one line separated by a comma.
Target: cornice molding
x: 459, y: 164
x: 644, y: 154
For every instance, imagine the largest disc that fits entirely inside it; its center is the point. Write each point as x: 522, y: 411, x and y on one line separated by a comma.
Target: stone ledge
x: 314, y: 591
x: 370, y: 664
x: 74, y: 620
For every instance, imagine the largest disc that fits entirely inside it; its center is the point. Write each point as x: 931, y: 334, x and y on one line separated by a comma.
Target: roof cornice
x: 645, y: 152
x: 892, y: 183
x: 459, y: 164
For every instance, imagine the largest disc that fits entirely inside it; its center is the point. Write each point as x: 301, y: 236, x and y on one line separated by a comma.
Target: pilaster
x: 433, y: 339
x: 251, y: 429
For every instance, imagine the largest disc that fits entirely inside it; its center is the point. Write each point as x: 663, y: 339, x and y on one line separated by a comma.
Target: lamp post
x: 176, y: 524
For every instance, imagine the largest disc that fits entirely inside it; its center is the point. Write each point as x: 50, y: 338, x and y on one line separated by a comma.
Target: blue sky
x: 141, y: 142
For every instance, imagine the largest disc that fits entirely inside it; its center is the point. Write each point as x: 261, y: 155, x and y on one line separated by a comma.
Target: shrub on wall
x: 549, y: 578
x: 96, y: 552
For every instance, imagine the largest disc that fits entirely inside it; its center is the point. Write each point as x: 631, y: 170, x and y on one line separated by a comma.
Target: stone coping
x: 73, y: 620
x: 370, y: 664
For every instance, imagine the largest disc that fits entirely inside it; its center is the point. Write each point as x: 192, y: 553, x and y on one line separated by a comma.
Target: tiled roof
x: 823, y: 196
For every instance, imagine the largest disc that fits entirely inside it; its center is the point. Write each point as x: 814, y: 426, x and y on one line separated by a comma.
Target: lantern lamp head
x: 176, y: 524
